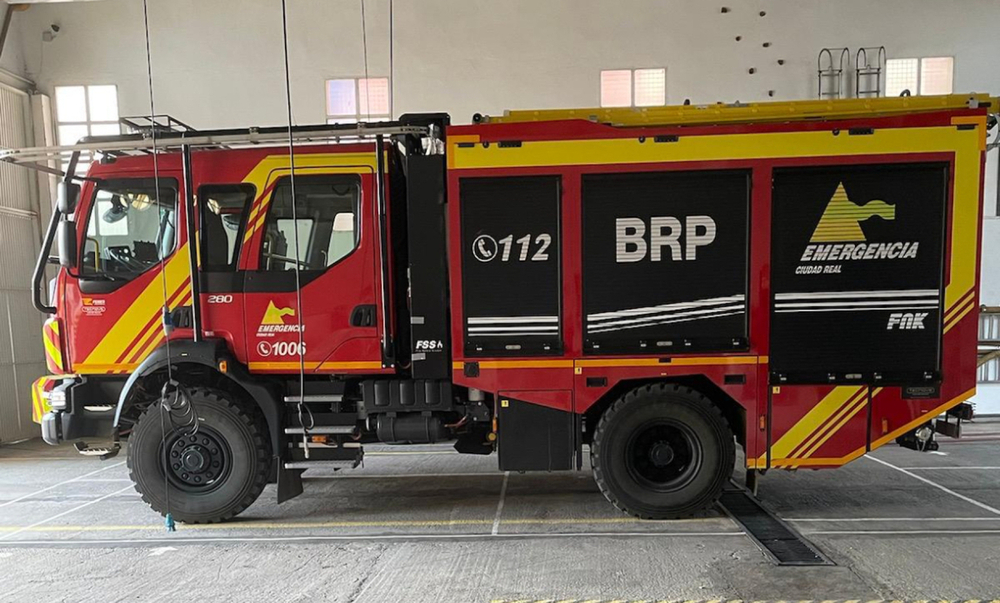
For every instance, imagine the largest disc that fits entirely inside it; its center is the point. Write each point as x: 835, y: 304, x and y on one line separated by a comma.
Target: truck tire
x: 205, y: 477
x: 662, y: 451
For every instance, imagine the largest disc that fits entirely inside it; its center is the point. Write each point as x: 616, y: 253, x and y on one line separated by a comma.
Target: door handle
x: 363, y: 316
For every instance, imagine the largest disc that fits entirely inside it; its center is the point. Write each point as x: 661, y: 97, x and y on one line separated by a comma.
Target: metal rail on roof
x: 753, y: 112
x: 130, y: 144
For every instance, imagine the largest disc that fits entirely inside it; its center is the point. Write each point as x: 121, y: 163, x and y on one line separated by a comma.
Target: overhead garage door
x: 21, y: 356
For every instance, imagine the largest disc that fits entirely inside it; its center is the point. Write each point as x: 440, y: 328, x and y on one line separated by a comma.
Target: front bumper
x: 74, y: 407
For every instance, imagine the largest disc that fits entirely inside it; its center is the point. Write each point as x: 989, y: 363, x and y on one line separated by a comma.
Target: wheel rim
x: 197, y: 463
x: 663, y: 455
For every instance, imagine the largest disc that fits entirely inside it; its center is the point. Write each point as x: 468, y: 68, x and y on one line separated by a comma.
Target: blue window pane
x: 341, y: 98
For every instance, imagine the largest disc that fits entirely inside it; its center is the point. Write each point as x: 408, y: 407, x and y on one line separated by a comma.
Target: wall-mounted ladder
x: 868, y: 67
x: 831, y: 65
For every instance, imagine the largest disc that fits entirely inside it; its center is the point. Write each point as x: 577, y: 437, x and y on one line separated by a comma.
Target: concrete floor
x: 426, y: 524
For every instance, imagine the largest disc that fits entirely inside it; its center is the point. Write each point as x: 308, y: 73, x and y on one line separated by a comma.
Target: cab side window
x: 325, y: 216
x: 129, y: 228
x: 223, y: 222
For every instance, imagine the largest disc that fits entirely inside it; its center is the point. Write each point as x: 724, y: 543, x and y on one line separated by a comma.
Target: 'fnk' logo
x: 906, y: 321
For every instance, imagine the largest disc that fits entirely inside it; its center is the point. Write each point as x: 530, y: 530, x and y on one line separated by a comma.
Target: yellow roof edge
x: 754, y: 112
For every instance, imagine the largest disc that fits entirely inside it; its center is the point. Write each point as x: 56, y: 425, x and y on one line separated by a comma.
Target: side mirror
x: 66, y: 235
x: 67, y: 196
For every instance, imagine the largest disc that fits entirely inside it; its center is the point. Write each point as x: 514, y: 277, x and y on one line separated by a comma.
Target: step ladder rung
x: 318, y: 446
x: 322, y: 430
x: 315, y: 398
x: 321, y: 464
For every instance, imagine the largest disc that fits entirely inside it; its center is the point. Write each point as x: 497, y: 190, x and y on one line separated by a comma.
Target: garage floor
x: 426, y: 524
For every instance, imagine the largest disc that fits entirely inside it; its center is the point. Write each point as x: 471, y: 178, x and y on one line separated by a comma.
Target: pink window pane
x: 373, y: 94
x: 616, y: 88
x: 937, y: 75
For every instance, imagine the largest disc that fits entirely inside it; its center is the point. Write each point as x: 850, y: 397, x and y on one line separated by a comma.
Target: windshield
x: 129, y: 228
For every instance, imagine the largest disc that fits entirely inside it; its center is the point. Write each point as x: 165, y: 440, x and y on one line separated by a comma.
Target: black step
x: 325, y: 452
x: 775, y: 537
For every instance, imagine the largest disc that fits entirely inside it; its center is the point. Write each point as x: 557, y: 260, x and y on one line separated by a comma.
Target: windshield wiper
x: 106, y: 277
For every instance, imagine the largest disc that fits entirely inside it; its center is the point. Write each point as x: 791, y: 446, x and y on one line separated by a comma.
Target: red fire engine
x: 657, y: 287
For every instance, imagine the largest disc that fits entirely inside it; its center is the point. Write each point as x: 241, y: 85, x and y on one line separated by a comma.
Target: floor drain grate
x: 772, y: 535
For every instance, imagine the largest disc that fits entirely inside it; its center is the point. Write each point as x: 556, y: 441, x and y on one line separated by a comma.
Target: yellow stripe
x: 718, y: 147
x: 861, y: 403
x: 456, y: 139
x: 979, y: 121
x: 958, y: 305
x: 616, y: 362
x: 791, y: 439
x: 783, y: 111
x: 155, y: 328
x: 892, y: 435
x: 312, y: 365
x: 812, y: 462
x: 256, y: 218
x: 52, y: 349
x: 360, y: 364
x: 956, y: 319
x: 104, y: 368
x: 140, y: 311
x: 36, y: 400
x: 824, y: 429
x: 676, y: 361
x: 516, y: 364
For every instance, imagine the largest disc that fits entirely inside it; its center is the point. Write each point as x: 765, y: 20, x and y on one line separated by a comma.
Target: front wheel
x: 205, y: 474
x: 662, y: 451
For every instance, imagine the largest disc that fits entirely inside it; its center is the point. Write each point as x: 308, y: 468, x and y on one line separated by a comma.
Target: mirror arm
x: 43, y: 258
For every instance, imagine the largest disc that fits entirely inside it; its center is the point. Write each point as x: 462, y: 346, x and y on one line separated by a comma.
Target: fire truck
x: 658, y: 288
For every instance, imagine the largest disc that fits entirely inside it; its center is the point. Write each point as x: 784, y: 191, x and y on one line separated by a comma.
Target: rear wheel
x: 200, y: 475
x: 662, y: 451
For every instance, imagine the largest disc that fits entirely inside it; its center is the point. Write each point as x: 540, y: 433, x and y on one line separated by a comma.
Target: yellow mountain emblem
x: 842, y: 219
x: 275, y: 315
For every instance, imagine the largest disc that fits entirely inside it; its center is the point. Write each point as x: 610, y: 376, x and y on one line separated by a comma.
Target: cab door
x: 330, y: 236
x: 119, y: 287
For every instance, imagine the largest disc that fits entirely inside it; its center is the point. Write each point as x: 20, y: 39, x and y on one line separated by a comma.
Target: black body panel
x: 857, y: 273
x: 511, y: 276
x: 535, y: 438
x: 430, y: 342
x: 665, y: 261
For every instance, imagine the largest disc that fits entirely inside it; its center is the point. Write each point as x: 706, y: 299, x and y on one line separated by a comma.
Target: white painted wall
x: 219, y: 64
x: 12, y: 59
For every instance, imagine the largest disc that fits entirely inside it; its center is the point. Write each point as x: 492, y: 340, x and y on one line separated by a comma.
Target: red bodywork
x: 836, y: 424
x: 825, y: 425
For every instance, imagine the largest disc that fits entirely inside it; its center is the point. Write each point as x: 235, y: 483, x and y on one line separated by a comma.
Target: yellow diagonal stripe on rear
x: 811, y: 421
x: 849, y: 412
x: 831, y: 424
x: 142, y: 309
